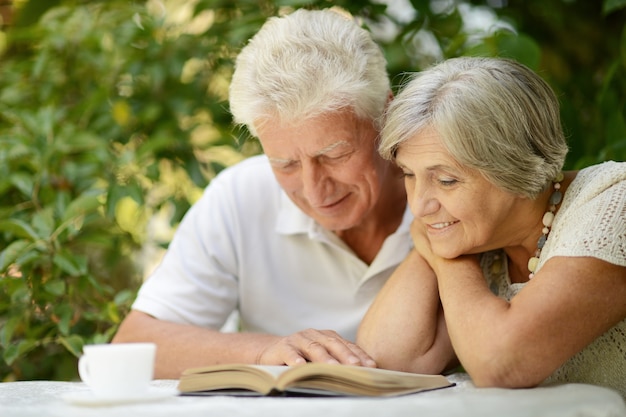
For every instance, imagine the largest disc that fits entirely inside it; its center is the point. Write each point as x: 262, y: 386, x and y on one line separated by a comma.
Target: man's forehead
x: 315, y: 153
x: 332, y: 146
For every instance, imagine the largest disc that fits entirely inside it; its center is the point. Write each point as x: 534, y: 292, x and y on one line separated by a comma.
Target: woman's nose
x: 422, y: 202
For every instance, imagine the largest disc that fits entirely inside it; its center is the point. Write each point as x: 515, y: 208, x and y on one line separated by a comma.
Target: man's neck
x: 367, y: 239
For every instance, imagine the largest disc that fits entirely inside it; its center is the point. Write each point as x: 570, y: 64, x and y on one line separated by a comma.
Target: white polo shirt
x: 245, y: 246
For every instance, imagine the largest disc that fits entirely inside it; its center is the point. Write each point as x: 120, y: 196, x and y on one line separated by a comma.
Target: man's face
x: 328, y: 166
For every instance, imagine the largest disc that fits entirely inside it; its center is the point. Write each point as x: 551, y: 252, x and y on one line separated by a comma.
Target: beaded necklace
x: 548, y: 218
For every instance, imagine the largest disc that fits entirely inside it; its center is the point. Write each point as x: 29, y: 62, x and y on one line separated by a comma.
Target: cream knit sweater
x: 590, y: 222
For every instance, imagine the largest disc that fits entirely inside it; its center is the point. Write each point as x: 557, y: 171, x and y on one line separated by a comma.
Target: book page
x: 357, y: 380
x: 310, y: 378
x: 231, y: 376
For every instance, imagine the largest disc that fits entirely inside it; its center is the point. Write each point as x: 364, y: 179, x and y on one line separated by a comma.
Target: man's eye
x: 447, y: 182
x: 337, y: 158
x: 285, y: 166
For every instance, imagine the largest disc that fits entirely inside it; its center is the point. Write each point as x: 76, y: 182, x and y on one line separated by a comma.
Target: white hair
x: 493, y: 115
x: 305, y: 64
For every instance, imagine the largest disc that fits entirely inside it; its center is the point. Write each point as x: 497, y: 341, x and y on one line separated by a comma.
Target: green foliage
x: 582, y: 47
x: 114, y: 113
x: 104, y: 123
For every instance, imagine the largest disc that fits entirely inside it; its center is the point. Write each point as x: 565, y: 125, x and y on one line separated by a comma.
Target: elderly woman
x: 519, y: 269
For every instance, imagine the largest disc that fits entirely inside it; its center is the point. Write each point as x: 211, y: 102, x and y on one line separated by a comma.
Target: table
x: 43, y: 399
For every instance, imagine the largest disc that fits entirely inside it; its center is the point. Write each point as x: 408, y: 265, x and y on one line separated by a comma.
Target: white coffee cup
x: 118, y: 369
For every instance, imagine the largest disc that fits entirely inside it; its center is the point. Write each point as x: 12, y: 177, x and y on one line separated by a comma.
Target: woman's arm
x: 569, y: 303
x: 404, y: 328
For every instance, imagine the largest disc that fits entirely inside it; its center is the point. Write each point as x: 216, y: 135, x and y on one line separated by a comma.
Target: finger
x: 312, y: 346
x: 348, y: 353
x: 364, y: 359
x: 296, y: 349
x: 327, y: 346
x: 293, y: 358
x: 281, y: 352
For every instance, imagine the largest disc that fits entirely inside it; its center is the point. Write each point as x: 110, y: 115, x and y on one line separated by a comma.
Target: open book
x: 306, y: 379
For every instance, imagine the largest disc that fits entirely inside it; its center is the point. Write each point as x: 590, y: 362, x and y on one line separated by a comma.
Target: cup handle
x: 83, y: 369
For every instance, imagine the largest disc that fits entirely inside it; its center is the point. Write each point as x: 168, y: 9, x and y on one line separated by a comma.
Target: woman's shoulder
x: 600, y: 176
x: 605, y: 181
x: 590, y: 219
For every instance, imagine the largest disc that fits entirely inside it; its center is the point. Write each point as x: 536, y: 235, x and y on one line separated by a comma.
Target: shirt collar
x: 291, y: 220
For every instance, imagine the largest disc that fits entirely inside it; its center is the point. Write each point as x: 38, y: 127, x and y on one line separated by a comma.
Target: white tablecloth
x: 45, y: 398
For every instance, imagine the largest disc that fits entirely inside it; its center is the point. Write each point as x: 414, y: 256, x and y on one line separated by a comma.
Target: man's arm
x: 181, y: 346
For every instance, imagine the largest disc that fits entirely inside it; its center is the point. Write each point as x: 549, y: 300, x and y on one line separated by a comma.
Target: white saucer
x: 88, y: 398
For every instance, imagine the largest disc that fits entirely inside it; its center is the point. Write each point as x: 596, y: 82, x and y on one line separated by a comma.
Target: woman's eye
x: 407, y: 174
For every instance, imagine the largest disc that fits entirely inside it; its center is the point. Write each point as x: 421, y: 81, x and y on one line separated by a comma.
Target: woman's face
x: 462, y: 212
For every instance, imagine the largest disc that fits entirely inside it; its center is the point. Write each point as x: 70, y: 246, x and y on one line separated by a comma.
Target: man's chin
x: 336, y: 229
x: 336, y: 226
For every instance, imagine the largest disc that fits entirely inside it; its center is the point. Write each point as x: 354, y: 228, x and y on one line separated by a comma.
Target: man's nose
x: 315, y: 183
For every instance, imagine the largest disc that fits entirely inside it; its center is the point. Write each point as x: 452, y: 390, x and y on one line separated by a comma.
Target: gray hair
x: 492, y: 114
x: 305, y: 64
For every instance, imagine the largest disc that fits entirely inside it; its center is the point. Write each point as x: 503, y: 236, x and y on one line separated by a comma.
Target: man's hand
x: 314, y: 346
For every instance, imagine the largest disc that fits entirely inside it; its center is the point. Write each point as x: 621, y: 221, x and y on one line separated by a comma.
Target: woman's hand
x: 424, y: 248
x: 421, y: 242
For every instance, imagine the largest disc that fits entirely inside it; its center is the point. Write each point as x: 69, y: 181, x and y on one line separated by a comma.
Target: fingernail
x: 354, y: 360
x: 332, y: 361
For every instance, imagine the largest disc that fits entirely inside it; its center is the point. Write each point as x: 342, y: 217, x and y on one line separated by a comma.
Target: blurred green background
x: 114, y: 116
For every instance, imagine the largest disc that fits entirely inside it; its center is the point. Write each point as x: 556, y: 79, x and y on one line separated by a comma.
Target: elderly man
x: 298, y: 240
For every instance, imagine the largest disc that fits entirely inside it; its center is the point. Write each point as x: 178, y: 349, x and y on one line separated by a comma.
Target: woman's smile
x: 442, y: 225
